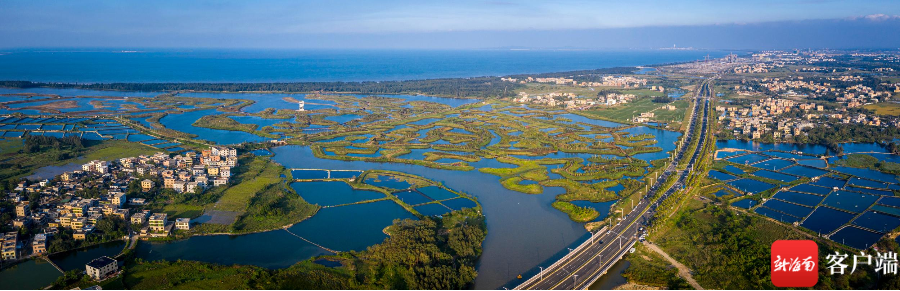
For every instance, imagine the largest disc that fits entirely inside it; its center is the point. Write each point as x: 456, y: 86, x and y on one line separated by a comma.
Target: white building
x: 101, y: 267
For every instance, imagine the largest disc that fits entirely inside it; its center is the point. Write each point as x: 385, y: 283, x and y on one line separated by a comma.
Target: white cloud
x: 876, y: 17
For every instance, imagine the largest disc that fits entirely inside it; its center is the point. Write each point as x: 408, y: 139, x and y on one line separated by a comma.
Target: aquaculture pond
x: 412, y: 197
x: 795, y: 210
x: 750, y: 185
x: 775, y: 176
x: 850, y: 201
x: 804, y: 171
x: 799, y: 198
x: 829, y: 182
x: 721, y: 176
x: 724, y: 192
x: 734, y: 170
x: 437, y: 193
x: 745, y: 203
x: 433, y: 209
x: 777, y: 215
x: 826, y: 220
x: 856, y: 237
x: 879, y: 222
x: 869, y: 174
x: 818, y: 163
x: 773, y: 164
x: 810, y: 149
x: 330, y: 193
x: 388, y: 182
x: 748, y: 159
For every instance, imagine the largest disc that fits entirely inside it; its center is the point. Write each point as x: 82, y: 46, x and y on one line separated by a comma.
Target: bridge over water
x: 328, y: 172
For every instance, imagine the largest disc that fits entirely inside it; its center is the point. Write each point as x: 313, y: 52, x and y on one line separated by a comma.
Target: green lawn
x: 891, y: 109
x: 116, y: 149
x: 625, y: 111
x: 192, y: 275
x: 255, y: 177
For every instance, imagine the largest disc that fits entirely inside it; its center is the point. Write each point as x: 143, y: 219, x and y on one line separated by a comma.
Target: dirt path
x: 683, y: 271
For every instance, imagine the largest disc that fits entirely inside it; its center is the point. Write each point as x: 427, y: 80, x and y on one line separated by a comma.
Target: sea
x: 232, y: 65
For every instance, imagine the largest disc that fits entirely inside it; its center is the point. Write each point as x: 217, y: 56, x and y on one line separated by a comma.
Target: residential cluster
x: 851, y: 96
x: 573, y: 101
x: 769, y: 116
x: 811, y: 94
x: 765, y: 116
x: 606, y: 81
x: 62, y: 203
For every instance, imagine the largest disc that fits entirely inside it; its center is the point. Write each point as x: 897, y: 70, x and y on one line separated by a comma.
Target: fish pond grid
x: 852, y: 206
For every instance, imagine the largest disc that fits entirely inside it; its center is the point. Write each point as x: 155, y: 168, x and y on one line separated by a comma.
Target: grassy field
x: 649, y: 268
x: 260, y: 198
x: 890, y: 109
x: 256, y: 176
x: 672, y: 115
x: 10, y: 146
x: 626, y: 111
x: 192, y: 275
x: 182, y: 210
x: 116, y: 149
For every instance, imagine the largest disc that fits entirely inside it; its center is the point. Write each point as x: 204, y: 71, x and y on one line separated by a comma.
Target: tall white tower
x: 301, y: 104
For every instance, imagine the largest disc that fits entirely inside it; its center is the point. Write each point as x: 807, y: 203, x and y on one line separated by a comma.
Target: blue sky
x: 413, y: 24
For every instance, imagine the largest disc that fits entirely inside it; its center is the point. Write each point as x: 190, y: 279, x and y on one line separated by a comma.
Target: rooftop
x: 101, y: 262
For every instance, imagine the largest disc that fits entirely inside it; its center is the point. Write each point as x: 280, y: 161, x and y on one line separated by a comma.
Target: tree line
x: 450, y: 87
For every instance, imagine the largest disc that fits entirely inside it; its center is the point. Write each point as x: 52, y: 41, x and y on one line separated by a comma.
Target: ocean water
x: 207, y: 65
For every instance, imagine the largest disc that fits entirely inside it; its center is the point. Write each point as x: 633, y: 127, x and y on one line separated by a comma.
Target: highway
x: 587, y: 262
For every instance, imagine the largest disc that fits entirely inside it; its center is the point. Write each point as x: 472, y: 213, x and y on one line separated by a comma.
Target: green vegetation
x: 276, y: 206
x: 728, y: 249
x: 260, y: 197
x: 649, y: 268
x: 625, y: 112
x: 884, y: 108
x: 457, y: 87
x: 868, y: 162
x: 514, y: 183
x: 191, y: 275
x: 419, y: 254
x: 576, y: 213
x: 222, y: 121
